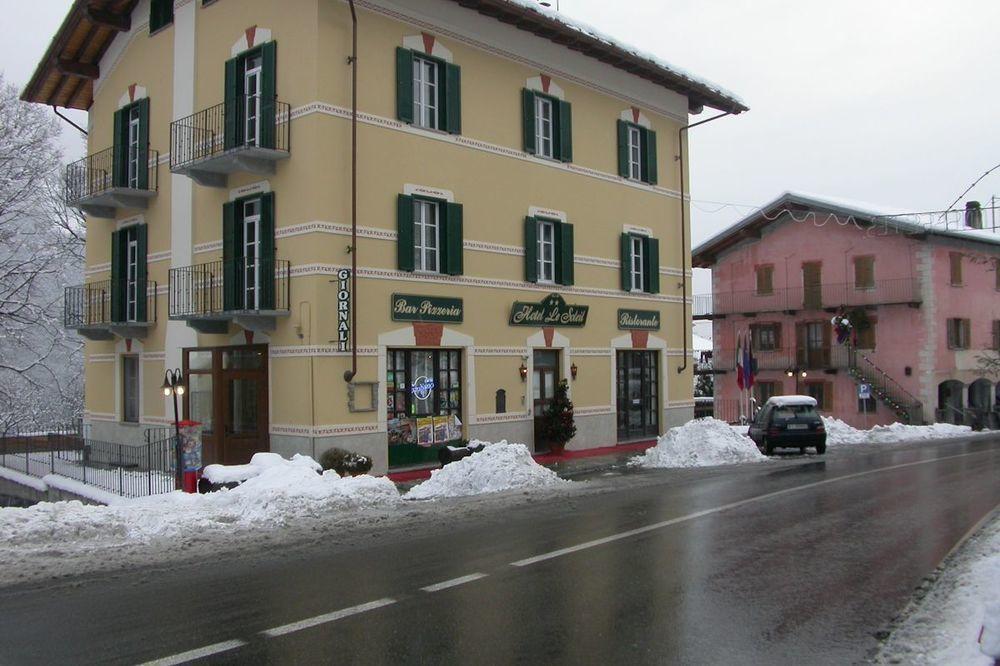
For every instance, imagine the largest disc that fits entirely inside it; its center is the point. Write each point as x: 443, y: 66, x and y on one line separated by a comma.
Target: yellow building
x: 518, y: 222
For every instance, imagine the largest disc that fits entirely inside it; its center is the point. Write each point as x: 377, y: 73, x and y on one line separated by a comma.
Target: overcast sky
x: 895, y: 102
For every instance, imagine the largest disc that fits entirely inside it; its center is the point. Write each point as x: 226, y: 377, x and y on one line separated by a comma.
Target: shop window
x: 636, y: 152
x: 424, y: 402
x: 765, y: 280
x: 547, y: 124
x: 640, y: 268
x: 428, y: 91
x: 130, y: 388
x: 638, y: 402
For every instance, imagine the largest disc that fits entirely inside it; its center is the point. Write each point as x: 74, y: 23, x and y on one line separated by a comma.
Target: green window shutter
x: 268, y: 92
x: 453, y: 98
x: 141, y: 273
x: 453, y: 239
x: 626, y: 269
x: 143, y: 178
x: 117, y: 291
x: 530, y: 249
x: 404, y: 86
x: 622, y: 148
x: 528, y: 115
x: 161, y: 14
x: 564, y: 248
x: 404, y: 233
x: 231, y: 110
x: 266, y: 265
x: 119, y: 153
x: 565, y: 132
x: 649, y: 156
x: 230, y: 250
x: 652, y: 265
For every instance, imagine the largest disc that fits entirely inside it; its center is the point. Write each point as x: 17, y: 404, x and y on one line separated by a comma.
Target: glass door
x: 251, y: 252
x: 637, y: 394
x: 132, y: 279
x: 252, y: 89
x: 544, y: 379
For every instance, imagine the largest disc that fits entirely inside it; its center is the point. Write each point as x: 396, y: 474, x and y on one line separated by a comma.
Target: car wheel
x: 821, y: 448
x: 768, y: 448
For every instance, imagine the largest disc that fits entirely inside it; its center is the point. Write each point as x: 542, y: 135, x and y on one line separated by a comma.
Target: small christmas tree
x: 558, y: 426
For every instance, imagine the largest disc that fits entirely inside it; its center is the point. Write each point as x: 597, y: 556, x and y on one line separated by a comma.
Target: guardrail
x: 201, y: 135
x: 199, y: 290
x: 806, y: 358
x: 88, y: 305
x: 95, y: 174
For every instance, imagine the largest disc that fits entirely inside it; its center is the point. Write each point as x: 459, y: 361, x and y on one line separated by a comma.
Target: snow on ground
x: 498, y: 467
x: 700, y: 443
x: 944, y: 626
x: 838, y: 432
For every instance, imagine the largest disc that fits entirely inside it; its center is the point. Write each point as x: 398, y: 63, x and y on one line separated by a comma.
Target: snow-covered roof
x: 789, y: 400
x: 579, y: 36
x: 700, y: 343
x: 936, y: 224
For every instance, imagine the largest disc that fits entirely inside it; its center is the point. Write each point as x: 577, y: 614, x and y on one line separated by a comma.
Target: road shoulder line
x: 444, y: 585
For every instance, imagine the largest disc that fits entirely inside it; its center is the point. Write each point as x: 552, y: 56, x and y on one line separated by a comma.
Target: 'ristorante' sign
x: 638, y: 320
x: 553, y: 311
x: 407, y: 307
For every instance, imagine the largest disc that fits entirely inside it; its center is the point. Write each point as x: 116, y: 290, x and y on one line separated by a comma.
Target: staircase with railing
x: 884, y: 387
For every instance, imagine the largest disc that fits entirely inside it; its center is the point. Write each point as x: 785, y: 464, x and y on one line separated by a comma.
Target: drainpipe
x: 680, y: 148
x: 353, y: 61
x: 56, y: 111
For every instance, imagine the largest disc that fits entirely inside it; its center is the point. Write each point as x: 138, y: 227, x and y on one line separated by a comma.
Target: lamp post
x: 173, y: 385
x: 798, y: 373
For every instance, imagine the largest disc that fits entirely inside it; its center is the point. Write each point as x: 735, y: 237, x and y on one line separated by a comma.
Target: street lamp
x: 173, y: 384
x: 798, y: 373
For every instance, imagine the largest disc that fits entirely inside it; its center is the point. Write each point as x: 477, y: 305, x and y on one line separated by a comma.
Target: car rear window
x: 789, y: 412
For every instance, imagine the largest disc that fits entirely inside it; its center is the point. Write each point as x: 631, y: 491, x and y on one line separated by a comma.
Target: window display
x: 424, y: 402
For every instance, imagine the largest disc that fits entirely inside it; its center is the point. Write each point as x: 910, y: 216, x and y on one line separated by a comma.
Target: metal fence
x: 90, y: 304
x: 786, y: 358
x: 201, y: 135
x: 199, y: 289
x: 129, y: 470
x: 94, y: 174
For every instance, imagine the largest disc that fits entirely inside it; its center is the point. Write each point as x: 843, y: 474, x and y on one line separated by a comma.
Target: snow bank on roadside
x: 280, y: 492
x: 498, y: 467
x: 700, y: 443
x: 838, y: 432
x: 258, y: 463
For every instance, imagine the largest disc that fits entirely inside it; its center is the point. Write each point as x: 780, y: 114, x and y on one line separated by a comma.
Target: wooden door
x: 812, y: 285
x: 544, y: 379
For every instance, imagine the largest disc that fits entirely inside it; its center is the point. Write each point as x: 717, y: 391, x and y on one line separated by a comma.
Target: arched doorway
x: 980, y: 395
x: 950, y: 408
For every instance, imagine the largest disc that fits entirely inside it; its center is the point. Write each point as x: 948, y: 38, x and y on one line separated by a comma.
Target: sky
x: 893, y: 102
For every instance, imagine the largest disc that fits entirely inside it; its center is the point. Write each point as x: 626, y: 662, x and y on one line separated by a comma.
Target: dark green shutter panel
x: 528, y: 115
x: 649, y: 157
x: 626, y: 271
x: 117, y: 291
x: 453, y: 99
x: 229, y: 256
x: 231, y: 110
x: 404, y: 85
x: 652, y: 265
x: 564, y: 261
x: 530, y: 249
x: 623, y: 149
x: 453, y: 239
x: 119, y: 153
x: 565, y: 132
x: 266, y: 245
x: 404, y: 232
x: 268, y: 92
x: 141, y: 274
x: 161, y: 14
x: 143, y: 175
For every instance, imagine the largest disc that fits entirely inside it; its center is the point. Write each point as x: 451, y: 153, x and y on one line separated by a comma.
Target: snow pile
x: 838, y: 432
x: 700, y: 443
x: 259, y: 463
x: 498, y: 467
x: 277, y: 492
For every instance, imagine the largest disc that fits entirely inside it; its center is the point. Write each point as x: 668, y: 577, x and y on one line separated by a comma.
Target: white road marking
x: 453, y: 582
x: 725, y: 507
x: 198, y: 653
x: 326, y: 617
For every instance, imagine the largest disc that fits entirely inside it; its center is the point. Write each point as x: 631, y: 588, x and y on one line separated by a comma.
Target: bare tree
x: 41, y: 249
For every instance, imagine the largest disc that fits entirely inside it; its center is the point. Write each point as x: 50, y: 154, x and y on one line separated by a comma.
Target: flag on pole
x: 750, y: 371
x: 739, y: 361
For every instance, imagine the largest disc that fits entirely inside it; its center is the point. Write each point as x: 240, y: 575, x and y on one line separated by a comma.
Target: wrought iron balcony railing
x: 98, y: 184
x: 249, y: 291
x: 99, y: 310
x: 804, y: 358
x: 794, y: 299
x: 201, y: 148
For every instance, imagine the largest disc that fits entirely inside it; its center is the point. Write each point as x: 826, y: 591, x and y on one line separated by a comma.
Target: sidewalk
x: 568, y: 465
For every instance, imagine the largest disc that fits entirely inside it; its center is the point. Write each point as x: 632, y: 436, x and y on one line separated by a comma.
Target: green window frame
x: 561, y: 121
x: 161, y: 14
x: 121, y: 281
x: 649, y: 269
x: 636, y: 161
x: 236, y: 97
x: 121, y: 155
x: 448, y: 87
x: 233, y: 253
x: 563, y: 251
x: 450, y: 236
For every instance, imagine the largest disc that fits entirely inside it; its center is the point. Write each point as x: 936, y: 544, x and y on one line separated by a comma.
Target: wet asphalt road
x: 796, y: 562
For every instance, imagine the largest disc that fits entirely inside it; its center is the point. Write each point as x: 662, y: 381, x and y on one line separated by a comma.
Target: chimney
x: 973, y: 215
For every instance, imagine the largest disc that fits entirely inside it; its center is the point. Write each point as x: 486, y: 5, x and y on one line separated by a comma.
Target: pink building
x: 924, y: 302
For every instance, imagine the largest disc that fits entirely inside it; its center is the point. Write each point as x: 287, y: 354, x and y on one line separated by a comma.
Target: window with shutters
x: 161, y: 14
x: 638, y: 270
x: 131, y: 278
x: 548, y: 251
x: 766, y: 390
x: 547, y: 125
x: 248, y: 253
x: 958, y: 333
x: 766, y: 337
x: 864, y: 272
x: 822, y: 392
x: 543, y: 127
x: 130, y: 388
x: 636, y: 152
x: 251, y: 99
x: 765, y: 280
x: 130, y: 154
x: 429, y: 235
x: 128, y: 274
x: 134, y: 152
x: 955, y: 259
x: 640, y: 263
x: 996, y: 274
x: 996, y: 335
x: 428, y: 91
x: 426, y: 236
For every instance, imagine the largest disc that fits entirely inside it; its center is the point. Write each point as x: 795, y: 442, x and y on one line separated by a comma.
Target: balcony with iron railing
x: 902, y: 291
x: 99, y: 184
x: 835, y: 357
x: 252, y: 293
x: 209, y: 145
x: 101, y: 310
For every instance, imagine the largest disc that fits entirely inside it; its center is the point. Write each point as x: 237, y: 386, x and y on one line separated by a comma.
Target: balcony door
x: 252, y: 85
x: 248, y: 254
x: 132, y: 279
x: 813, y: 344
x: 251, y: 254
x: 812, y: 285
x: 134, y: 150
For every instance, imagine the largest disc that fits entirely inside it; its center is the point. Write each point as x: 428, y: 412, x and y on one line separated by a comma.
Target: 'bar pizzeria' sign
x: 553, y: 311
x: 407, y: 307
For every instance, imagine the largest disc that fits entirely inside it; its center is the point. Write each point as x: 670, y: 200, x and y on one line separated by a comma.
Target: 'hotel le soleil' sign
x: 553, y: 311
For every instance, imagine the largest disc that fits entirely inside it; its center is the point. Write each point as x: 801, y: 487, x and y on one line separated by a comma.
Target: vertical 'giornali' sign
x: 343, y: 308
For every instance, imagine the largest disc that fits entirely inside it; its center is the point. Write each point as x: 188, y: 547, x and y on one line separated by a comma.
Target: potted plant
x: 558, y: 426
